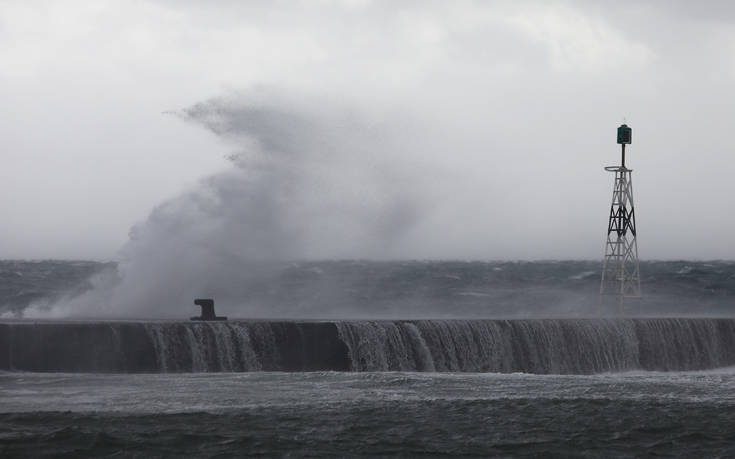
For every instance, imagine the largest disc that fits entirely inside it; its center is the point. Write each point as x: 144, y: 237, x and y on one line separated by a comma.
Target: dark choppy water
x: 368, y: 414
x: 25, y: 282
x: 405, y: 289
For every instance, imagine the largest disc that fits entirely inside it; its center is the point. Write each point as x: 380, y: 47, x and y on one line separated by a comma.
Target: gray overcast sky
x: 498, y: 117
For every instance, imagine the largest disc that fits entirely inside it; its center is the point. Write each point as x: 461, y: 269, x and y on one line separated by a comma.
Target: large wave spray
x: 307, y: 182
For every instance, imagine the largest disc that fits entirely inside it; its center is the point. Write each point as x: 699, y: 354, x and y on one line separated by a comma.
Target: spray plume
x: 307, y: 182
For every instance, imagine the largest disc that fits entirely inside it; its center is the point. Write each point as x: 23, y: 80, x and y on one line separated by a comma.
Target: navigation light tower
x: 620, y: 274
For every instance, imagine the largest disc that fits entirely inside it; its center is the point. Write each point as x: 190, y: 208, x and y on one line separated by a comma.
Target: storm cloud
x: 441, y: 129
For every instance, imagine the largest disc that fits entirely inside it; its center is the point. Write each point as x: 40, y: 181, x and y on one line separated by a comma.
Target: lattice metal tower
x: 620, y: 273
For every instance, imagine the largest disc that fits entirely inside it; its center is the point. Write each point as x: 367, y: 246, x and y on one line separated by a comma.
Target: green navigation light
x: 625, y: 134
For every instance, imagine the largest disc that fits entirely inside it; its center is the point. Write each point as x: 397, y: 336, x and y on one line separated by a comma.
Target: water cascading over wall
x: 545, y: 346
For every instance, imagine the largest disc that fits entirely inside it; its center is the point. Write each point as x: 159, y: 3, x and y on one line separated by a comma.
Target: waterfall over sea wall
x: 560, y: 346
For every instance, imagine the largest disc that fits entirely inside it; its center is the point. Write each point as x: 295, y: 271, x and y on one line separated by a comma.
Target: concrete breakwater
x: 543, y: 346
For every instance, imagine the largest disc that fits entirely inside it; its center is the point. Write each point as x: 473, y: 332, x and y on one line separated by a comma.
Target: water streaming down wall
x: 171, y: 346
x: 541, y: 346
x: 533, y: 346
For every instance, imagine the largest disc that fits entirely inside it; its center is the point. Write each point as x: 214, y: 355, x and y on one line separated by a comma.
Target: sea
x: 501, y: 370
